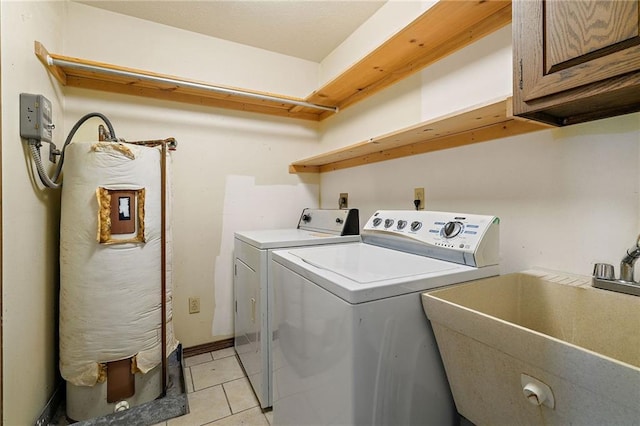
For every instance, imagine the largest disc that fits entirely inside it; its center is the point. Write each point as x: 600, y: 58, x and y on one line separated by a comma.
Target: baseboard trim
x: 208, y: 347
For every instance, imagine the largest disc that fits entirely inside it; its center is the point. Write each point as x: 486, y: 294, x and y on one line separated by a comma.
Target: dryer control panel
x: 469, y: 239
x: 330, y: 221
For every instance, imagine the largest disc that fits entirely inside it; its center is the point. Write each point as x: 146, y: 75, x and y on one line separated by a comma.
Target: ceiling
x: 307, y: 29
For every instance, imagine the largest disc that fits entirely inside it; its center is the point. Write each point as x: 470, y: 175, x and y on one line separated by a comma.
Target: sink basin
x: 582, y: 342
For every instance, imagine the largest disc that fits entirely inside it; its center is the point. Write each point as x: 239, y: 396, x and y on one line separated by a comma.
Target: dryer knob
x: 388, y: 223
x: 415, y: 226
x: 339, y: 221
x: 306, y: 218
x: 377, y: 221
x: 451, y: 229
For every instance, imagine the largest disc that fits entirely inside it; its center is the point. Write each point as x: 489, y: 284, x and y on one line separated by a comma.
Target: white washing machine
x: 352, y: 345
x: 252, y: 286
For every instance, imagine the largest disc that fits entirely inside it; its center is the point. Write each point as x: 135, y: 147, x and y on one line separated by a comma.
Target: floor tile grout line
x: 223, y: 357
x: 203, y: 362
x: 211, y: 360
x: 220, y: 384
x: 227, y: 398
x: 244, y: 373
x: 238, y: 413
x: 193, y: 383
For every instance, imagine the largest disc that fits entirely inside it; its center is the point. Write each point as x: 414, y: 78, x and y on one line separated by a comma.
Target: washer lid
x: 280, y: 238
x: 368, y: 264
x: 359, y: 272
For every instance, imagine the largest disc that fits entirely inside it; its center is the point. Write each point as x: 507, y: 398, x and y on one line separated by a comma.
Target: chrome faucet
x: 604, y: 277
x: 627, y: 263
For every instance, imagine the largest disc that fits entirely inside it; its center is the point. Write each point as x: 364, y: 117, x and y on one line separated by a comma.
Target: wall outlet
x: 194, y: 305
x: 418, y: 194
x: 343, y: 201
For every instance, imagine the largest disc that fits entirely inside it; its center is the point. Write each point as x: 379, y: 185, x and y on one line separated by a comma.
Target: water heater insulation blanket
x: 110, y: 294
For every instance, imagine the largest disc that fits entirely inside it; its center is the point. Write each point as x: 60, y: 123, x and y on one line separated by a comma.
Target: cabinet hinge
x: 521, y: 84
x: 235, y: 270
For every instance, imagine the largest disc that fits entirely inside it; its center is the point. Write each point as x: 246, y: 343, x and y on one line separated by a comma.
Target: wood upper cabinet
x: 576, y: 60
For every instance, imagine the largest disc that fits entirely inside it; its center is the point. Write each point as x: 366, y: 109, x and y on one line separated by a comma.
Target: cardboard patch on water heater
x: 120, y: 216
x: 123, y: 218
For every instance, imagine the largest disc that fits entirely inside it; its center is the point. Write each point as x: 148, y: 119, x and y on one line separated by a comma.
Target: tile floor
x: 219, y: 393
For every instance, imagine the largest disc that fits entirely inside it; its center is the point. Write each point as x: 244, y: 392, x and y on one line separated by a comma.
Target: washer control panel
x: 336, y: 222
x: 441, y: 235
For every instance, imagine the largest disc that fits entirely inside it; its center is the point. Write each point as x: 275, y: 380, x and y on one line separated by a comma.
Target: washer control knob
x: 377, y: 221
x: 306, y: 218
x: 416, y: 225
x: 339, y: 221
x: 401, y: 224
x: 451, y: 229
x: 388, y: 223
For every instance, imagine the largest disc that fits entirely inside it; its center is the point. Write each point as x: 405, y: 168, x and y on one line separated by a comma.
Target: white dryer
x: 352, y: 345
x: 252, y: 286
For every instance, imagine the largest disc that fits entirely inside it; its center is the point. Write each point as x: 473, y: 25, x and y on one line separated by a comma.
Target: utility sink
x: 539, y: 347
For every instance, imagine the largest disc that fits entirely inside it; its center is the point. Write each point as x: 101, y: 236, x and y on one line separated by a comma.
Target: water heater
x: 110, y: 277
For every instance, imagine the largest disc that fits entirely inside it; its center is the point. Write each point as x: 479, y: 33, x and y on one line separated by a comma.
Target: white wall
x: 393, y: 16
x: 135, y: 43
x: 566, y: 197
x: 479, y: 73
x: 30, y: 217
x: 230, y: 170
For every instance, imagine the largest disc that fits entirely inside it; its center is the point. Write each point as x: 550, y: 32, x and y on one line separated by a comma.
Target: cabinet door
x: 565, y: 51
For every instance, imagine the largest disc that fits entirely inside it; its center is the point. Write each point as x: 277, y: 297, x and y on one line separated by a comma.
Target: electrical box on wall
x: 36, y: 117
x: 343, y: 201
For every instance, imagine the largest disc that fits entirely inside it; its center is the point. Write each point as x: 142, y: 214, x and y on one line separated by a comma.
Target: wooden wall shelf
x: 478, y: 124
x: 103, y: 77
x: 441, y: 30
